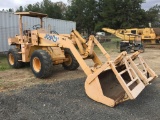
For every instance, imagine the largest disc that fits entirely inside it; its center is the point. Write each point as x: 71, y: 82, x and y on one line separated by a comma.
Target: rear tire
x: 13, y: 56
x: 128, y: 50
x: 72, y: 64
x: 41, y: 64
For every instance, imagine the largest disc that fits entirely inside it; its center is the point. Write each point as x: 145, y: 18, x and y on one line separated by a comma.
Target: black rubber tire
x: 16, y: 56
x: 128, y: 50
x: 46, y: 64
x: 74, y: 64
x: 141, y: 49
x: 121, y: 50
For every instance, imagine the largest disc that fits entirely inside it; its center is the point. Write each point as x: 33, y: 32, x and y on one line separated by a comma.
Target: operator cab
x: 38, y: 27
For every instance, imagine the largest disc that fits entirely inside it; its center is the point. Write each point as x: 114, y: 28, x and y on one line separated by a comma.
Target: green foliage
x: 8, y: 10
x: 93, y: 15
x: 110, y: 47
x: 20, y: 9
x: 99, y: 26
x: 54, y: 10
x: 153, y: 16
x: 84, y: 13
x: 34, y: 8
x: 122, y: 13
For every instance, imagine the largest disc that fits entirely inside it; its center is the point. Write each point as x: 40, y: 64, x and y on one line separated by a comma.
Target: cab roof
x: 31, y: 14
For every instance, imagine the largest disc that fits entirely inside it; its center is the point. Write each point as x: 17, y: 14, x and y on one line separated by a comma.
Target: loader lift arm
x: 87, y: 49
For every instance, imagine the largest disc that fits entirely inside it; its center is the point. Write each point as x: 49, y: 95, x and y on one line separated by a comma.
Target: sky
x: 6, y: 4
x: 150, y: 3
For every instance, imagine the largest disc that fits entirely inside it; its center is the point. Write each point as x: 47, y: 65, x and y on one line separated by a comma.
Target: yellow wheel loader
x: 109, y: 83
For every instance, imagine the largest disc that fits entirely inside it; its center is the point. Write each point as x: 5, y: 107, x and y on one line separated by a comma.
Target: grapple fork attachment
x: 145, y: 73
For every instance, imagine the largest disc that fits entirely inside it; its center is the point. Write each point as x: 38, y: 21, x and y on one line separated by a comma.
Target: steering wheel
x: 54, y: 32
x: 35, y: 27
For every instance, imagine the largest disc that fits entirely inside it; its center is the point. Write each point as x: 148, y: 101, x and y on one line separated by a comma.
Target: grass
x: 7, y: 85
x: 112, y: 46
x: 3, y: 63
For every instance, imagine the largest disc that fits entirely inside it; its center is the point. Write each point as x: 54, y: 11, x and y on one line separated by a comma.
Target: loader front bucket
x: 111, y: 85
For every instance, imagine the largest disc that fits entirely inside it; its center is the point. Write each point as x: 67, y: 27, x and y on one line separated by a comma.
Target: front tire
x: 41, y: 64
x: 72, y: 63
x: 13, y: 56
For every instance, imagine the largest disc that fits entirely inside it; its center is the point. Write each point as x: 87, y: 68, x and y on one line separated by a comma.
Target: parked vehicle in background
x: 101, y: 37
x: 132, y: 45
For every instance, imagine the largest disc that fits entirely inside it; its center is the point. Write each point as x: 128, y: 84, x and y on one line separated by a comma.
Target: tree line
x: 92, y: 15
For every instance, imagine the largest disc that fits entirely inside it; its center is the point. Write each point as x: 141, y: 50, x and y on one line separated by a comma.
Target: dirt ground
x: 62, y: 96
x: 19, y: 78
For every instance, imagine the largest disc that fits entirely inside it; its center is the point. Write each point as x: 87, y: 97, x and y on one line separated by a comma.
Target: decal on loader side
x: 51, y: 37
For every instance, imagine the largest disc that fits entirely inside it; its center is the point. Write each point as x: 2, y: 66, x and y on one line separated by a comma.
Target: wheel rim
x: 36, y: 64
x: 11, y: 59
x: 69, y: 60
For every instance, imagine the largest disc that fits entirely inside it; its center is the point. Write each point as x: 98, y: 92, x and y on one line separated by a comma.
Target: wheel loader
x: 109, y: 83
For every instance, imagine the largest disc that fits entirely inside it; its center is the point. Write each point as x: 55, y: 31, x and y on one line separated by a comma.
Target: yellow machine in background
x: 109, y: 83
x: 148, y: 35
x: 130, y: 40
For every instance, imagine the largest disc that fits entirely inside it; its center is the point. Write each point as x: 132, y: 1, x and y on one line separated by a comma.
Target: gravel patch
x: 66, y: 100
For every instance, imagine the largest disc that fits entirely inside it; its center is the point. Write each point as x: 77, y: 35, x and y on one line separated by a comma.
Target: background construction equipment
x: 150, y: 36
